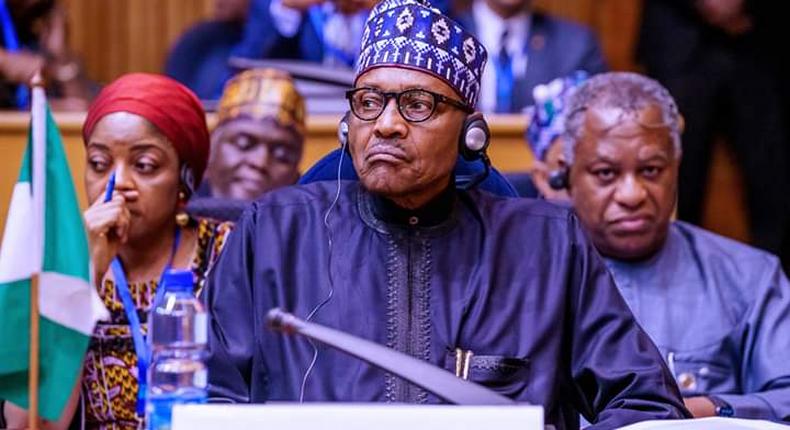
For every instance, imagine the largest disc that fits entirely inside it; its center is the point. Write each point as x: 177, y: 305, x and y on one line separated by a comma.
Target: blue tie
x: 504, y: 77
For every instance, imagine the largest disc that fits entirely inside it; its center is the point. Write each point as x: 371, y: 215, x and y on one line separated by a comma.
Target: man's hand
x: 302, y: 5
x: 700, y: 406
x: 347, y: 7
x: 728, y: 15
x: 19, y: 67
x: 350, y: 7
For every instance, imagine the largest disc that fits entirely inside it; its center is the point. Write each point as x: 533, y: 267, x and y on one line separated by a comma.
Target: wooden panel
x: 119, y: 36
x: 725, y: 210
x: 616, y: 23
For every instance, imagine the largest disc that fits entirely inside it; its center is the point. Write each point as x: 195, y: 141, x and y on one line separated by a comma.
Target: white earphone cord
x: 331, y: 294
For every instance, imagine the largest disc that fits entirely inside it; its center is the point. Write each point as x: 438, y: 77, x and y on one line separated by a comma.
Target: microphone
x: 441, y: 383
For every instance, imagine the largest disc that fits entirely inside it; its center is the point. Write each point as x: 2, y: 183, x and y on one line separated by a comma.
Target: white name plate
x: 356, y: 416
x: 713, y: 423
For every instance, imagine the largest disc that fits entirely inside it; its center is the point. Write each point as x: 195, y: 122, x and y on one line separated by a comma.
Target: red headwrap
x: 165, y: 103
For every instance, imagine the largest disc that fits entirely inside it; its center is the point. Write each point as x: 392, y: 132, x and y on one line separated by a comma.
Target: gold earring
x: 182, y: 219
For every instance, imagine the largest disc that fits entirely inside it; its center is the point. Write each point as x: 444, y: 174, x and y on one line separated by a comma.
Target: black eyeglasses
x: 415, y: 105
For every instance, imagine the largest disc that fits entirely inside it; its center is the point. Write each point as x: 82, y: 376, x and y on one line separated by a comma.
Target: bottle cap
x: 178, y: 280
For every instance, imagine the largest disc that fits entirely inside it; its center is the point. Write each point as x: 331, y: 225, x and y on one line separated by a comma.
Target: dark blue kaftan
x: 512, y: 280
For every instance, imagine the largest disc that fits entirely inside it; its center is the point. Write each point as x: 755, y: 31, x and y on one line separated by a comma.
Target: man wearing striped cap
x: 507, y: 293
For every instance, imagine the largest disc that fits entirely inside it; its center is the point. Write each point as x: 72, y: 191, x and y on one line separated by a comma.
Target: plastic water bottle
x: 177, y: 338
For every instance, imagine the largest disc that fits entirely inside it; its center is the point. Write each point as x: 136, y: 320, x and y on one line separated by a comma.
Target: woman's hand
x: 108, y: 227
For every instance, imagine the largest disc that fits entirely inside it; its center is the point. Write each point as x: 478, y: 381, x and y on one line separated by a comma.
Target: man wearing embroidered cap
x: 405, y: 259
x: 544, y: 135
x: 257, y: 144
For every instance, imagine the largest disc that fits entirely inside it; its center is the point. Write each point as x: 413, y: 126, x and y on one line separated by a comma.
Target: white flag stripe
x: 39, y: 174
x: 15, y: 255
x: 70, y: 301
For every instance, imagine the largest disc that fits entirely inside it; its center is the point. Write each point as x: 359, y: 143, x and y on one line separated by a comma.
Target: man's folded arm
x: 765, y: 369
x: 619, y: 375
x: 231, y: 332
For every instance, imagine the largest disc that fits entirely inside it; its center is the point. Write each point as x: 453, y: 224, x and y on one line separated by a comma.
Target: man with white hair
x: 717, y: 309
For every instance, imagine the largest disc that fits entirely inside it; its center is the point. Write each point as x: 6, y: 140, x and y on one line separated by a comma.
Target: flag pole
x: 37, y: 124
x: 32, y: 417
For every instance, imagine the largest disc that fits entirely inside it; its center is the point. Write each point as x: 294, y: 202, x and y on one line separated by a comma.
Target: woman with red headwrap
x: 149, y: 132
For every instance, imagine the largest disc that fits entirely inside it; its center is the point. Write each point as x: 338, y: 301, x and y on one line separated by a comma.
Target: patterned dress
x: 109, y: 381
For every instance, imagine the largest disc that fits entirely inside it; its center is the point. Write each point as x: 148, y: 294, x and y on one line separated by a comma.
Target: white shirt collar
x: 489, y: 31
x: 490, y: 27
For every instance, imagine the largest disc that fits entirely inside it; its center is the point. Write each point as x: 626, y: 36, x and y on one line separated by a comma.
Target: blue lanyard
x: 140, y: 348
x: 317, y: 19
x: 12, y: 45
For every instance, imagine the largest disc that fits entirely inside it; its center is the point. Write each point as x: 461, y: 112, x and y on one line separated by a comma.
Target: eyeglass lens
x: 414, y: 105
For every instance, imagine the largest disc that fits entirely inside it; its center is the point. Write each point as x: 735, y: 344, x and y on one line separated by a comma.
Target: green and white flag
x: 44, y: 235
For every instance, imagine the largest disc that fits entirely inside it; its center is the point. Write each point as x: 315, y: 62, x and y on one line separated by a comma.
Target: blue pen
x: 110, y: 188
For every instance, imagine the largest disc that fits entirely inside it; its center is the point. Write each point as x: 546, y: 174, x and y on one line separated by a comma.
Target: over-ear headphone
x: 472, y: 144
x: 558, y: 179
x: 342, y: 130
x: 475, y: 137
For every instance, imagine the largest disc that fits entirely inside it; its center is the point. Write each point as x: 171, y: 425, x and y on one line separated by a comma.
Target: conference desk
x: 508, y: 153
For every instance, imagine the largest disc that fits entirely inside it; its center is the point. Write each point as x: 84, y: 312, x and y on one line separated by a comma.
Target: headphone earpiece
x: 342, y: 130
x: 187, y: 181
x: 475, y: 137
x: 558, y: 179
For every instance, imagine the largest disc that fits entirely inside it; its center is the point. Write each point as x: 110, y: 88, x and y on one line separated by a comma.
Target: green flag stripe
x: 14, y: 328
x: 65, y: 247
x: 60, y: 364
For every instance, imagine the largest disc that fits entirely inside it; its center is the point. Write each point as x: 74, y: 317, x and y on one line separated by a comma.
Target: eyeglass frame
x: 437, y: 98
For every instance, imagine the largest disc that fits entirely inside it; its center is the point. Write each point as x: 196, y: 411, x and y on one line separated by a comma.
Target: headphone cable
x: 331, y: 293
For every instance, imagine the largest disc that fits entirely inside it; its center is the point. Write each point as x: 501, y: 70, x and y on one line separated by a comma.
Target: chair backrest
x: 523, y: 184
x: 326, y: 169
x: 216, y: 209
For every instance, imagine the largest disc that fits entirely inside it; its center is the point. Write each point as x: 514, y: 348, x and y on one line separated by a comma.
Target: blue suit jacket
x: 199, y: 59
x: 557, y: 48
x: 262, y: 40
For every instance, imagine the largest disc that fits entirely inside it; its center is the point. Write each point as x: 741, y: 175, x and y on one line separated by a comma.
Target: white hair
x: 629, y: 92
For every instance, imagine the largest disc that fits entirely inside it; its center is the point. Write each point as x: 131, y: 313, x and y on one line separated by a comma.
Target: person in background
x: 720, y: 60
x: 33, y: 39
x: 199, y: 58
x: 717, y: 309
x: 256, y: 146
x: 404, y: 258
x: 527, y: 48
x: 544, y: 136
x: 259, y: 138
x: 320, y: 31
